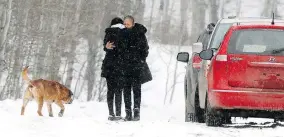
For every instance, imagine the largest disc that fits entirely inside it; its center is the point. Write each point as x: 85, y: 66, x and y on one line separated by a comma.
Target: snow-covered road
x: 90, y: 120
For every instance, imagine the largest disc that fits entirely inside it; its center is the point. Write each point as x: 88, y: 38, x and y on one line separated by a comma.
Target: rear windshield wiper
x: 276, y: 51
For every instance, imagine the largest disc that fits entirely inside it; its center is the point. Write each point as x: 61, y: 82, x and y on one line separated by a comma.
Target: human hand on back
x: 109, y: 45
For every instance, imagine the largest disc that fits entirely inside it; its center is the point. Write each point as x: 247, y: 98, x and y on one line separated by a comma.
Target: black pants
x: 114, y: 92
x: 132, y: 83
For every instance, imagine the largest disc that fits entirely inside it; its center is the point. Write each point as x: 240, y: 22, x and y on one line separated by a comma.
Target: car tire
x: 193, y: 112
x: 186, y: 114
x: 189, y: 115
x: 226, y: 119
x: 212, y: 118
x: 199, y: 112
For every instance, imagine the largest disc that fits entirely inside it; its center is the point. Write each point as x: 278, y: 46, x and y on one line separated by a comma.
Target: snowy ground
x: 89, y: 119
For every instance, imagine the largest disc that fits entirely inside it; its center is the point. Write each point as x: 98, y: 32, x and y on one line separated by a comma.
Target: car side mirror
x: 206, y: 54
x: 183, y: 57
x: 197, y: 47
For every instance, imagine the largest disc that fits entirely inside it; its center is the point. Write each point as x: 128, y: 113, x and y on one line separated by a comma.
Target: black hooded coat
x: 113, y: 61
x: 135, y: 54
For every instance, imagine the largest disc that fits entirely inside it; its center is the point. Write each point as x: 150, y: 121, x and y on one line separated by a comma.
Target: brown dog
x: 45, y: 91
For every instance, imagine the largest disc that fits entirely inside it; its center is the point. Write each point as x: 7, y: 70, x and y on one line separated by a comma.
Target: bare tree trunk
x: 7, y: 20
x: 126, y: 7
x: 80, y: 73
x: 168, y: 78
x: 214, y: 6
x: 222, y: 9
x: 162, y: 5
x: 183, y: 31
x: 275, y: 8
x: 198, y: 18
x: 71, y: 57
x: 139, y: 13
x: 20, y: 52
x: 269, y: 7
x: 4, y: 30
x: 102, y: 85
x: 90, y: 73
x: 165, y: 23
x: 56, y: 46
x: 42, y: 53
x: 151, y: 20
x: 239, y: 6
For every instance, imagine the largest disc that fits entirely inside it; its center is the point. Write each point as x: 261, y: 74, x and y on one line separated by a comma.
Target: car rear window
x: 257, y: 41
x: 219, y: 34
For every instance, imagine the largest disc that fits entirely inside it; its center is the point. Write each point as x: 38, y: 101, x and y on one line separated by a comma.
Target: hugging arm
x: 144, y: 48
x: 105, y: 41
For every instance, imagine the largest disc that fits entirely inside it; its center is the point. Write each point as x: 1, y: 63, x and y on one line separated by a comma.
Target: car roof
x: 254, y: 26
x: 251, y: 20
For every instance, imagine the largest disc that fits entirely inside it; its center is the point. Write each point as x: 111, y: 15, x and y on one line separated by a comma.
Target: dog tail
x: 25, y: 74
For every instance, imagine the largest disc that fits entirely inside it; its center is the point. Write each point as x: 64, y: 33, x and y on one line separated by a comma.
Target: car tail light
x: 196, y: 61
x: 221, y: 58
x: 219, y: 71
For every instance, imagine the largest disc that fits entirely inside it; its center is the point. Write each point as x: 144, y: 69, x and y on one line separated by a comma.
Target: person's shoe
x: 118, y: 118
x: 111, y: 117
x: 136, y: 114
x: 128, y: 116
x: 137, y: 118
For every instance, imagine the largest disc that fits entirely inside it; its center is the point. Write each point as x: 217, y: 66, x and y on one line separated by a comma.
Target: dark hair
x: 210, y: 26
x: 129, y: 17
x: 116, y: 20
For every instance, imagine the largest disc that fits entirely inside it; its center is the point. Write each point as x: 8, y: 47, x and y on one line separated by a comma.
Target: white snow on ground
x: 89, y: 119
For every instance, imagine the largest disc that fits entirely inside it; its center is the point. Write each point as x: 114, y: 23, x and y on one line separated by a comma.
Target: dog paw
x: 60, y: 114
x: 51, y: 115
x: 39, y: 113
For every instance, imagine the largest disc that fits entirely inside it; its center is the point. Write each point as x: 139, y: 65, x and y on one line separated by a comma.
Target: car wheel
x: 226, y: 119
x: 211, y: 117
x: 186, y: 114
x: 199, y: 112
x: 193, y: 113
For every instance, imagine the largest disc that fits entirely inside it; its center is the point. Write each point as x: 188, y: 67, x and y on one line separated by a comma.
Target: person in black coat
x: 114, y: 42
x: 136, y: 69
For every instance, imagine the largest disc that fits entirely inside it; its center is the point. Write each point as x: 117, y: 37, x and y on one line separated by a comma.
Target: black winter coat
x: 135, y: 54
x: 113, y: 61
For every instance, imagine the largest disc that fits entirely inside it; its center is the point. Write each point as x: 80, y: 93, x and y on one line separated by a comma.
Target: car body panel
x: 245, y: 81
x: 247, y: 99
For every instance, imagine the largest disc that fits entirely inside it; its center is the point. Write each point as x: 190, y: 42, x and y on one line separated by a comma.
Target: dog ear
x: 70, y: 93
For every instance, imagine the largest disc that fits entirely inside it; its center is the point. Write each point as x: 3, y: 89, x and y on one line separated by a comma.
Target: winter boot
x: 111, y: 117
x: 128, y: 116
x: 118, y: 117
x: 136, y: 114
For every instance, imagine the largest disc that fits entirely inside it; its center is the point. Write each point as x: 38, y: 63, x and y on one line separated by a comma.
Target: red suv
x: 244, y: 77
